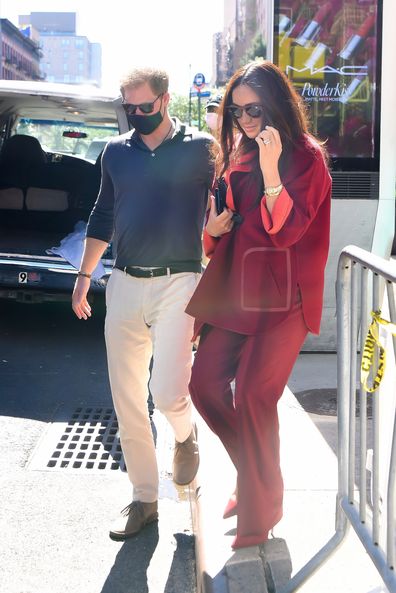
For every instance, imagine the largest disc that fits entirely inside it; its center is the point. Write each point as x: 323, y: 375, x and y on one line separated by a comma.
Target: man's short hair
x: 157, y: 79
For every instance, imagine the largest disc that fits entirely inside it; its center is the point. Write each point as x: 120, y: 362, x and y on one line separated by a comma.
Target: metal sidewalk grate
x: 89, y: 441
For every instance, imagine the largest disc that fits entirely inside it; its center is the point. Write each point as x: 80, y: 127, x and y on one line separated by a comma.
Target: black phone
x: 219, y: 202
x: 220, y: 195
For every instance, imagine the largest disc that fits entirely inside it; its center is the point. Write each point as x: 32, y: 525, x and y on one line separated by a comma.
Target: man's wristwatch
x: 80, y: 273
x: 273, y: 191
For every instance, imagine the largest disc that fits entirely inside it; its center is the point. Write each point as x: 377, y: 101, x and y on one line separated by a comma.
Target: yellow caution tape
x: 372, y: 340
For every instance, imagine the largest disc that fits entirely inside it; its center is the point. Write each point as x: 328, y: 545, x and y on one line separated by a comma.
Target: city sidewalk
x: 309, y: 467
x: 55, y: 523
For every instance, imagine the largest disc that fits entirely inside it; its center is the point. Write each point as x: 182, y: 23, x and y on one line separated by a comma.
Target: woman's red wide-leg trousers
x: 248, y: 424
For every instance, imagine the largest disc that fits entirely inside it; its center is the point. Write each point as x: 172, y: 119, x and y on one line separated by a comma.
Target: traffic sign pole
x: 189, y: 96
x: 199, y: 86
x: 199, y: 109
x: 189, y: 108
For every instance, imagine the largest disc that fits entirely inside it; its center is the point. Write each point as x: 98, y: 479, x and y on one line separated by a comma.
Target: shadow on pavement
x: 180, y: 578
x: 49, y: 357
x: 53, y: 368
x: 321, y: 406
x: 129, y: 572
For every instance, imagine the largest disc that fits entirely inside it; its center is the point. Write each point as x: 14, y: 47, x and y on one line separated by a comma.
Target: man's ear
x: 166, y: 99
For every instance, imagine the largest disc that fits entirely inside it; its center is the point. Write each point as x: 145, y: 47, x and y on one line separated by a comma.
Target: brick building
x: 20, y: 56
x: 245, y: 23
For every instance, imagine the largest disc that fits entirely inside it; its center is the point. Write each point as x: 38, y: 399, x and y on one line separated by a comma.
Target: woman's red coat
x: 252, y: 279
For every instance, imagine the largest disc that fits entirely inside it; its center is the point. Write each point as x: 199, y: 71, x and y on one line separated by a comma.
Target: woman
x: 263, y: 288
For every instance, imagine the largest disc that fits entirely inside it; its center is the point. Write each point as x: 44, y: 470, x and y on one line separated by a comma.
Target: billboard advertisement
x: 329, y: 51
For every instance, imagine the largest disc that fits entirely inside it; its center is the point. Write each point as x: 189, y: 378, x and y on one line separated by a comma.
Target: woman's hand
x: 218, y: 224
x: 270, y: 149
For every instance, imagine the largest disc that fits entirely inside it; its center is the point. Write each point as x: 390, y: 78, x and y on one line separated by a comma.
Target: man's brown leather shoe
x: 134, y: 517
x: 186, y: 459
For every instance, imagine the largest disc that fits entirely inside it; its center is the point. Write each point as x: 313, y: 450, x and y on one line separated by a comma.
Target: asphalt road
x: 54, y: 521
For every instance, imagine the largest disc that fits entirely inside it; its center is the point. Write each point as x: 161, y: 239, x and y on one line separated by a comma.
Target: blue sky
x: 171, y: 34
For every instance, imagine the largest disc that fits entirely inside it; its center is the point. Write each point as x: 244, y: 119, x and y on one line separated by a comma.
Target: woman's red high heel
x: 231, y: 507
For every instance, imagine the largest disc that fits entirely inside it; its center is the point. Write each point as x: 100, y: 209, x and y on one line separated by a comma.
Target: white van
x: 48, y: 185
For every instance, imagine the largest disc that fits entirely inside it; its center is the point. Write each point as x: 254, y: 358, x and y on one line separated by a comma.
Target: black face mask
x: 145, y: 124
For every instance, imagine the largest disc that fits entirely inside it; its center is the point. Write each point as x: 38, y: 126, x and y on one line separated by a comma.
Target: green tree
x: 178, y: 107
x: 257, y: 50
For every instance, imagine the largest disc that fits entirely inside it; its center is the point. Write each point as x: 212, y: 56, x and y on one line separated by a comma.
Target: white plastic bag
x: 72, y: 246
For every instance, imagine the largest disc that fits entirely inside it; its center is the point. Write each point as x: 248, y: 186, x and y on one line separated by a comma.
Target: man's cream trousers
x: 145, y: 317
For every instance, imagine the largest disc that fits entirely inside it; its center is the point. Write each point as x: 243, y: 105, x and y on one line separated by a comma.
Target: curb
x: 256, y: 569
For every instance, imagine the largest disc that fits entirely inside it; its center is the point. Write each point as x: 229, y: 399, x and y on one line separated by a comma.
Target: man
x: 152, y: 202
x: 211, y: 115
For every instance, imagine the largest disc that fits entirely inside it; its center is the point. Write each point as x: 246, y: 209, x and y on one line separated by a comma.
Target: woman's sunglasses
x: 254, y: 110
x: 130, y: 108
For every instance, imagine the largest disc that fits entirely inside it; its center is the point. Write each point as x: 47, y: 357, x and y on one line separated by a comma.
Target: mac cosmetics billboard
x: 329, y: 51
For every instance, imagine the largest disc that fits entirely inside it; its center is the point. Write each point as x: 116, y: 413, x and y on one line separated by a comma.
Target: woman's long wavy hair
x: 282, y: 108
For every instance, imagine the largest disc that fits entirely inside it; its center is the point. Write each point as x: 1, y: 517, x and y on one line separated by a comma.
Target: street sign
x: 194, y: 93
x: 199, y: 80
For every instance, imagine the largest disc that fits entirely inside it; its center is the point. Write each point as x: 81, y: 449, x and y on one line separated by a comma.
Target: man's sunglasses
x: 130, y: 108
x: 254, y: 110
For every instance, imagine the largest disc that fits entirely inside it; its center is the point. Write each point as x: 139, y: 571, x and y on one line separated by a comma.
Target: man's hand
x: 219, y: 224
x: 80, y: 305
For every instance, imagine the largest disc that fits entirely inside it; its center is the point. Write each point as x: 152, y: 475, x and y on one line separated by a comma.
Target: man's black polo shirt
x: 153, y: 202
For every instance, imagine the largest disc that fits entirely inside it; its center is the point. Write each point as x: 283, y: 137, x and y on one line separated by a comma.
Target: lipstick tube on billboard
x: 319, y: 51
x: 354, y: 43
x: 294, y: 31
x: 297, y: 28
x: 356, y: 82
x: 285, y: 21
x: 314, y: 26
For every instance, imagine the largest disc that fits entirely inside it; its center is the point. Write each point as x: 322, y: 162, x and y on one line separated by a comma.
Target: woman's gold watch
x: 273, y: 191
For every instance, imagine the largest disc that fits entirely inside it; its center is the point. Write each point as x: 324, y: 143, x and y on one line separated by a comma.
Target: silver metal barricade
x: 361, y: 280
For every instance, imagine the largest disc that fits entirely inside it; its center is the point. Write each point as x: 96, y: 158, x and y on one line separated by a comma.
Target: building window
x: 66, y: 78
x: 65, y: 42
x: 81, y: 55
x: 65, y: 55
x: 65, y: 67
x: 80, y: 67
x: 79, y: 42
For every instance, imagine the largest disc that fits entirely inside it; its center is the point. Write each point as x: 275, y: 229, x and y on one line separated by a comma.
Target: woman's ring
x: 266, y: 140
